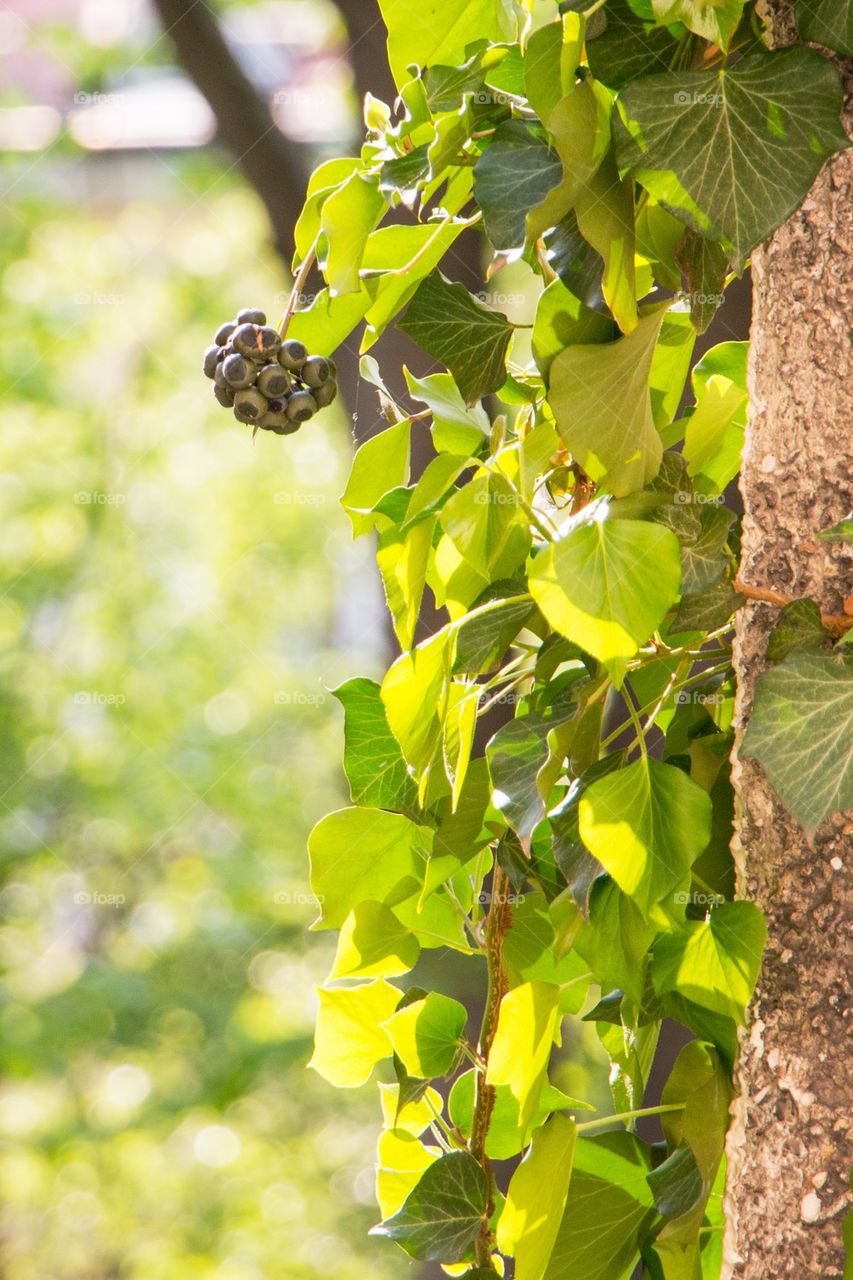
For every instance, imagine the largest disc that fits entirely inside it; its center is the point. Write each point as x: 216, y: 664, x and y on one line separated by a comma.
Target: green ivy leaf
x: 373, y: 944
x: 536, y: 1197
x: 800, y: 731
x: 828, y: 23
x: 527, y: 1023
x: 608, y: 1188
x: 426, y: 1034
x: 506, y: 1138
x: 551, y: 57
x: 676, y: 1184
x: 627, y: 50
x: 615, y: 940
x: 485, y: 522
x: 517, y: 754
x: 401, y: 1163
x: 600, y: 398
x: 347, y: 218
x: 732, y: 152
x: 444, y: 1213
x: 705, y: 265
x: 708, y: 611
x: 402, y: 558
x: 604, y: 208
x: 466, y: 336
x: 439, y: 31
x: 713, y: 962
x: 700, y: 1081
x: 714, y: 432
x: 797, y: 627
x: 483, y: 639
x: 349, y: 1040
x: 381, y: 463
x: 456, y: 428
x: 607, y: 586
x: 373, y: 762
x: 646, y: 824
x: 365, y: 853
x: 716, y: 22
x: 515, y: 173
x: 703, y: 531
x: 562, y: 320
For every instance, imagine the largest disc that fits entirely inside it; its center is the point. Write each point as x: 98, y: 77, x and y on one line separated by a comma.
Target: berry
x: 245, y: 340
x: 279, y: 423
x: 224, y: 332
x: 224, y: 394
x: 301, y: 406
x: 212, y: 357
x: 326, y: 394
x: 269, y: 343
x: 274, y: 381
x: 293, y: 355
x: 315, y: 371
x: 239, y: 371
x: 250, y: 405
x: 251, y: 315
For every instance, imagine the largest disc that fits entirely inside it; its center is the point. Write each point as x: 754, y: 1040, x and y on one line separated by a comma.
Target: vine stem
x: 630, y: 1115
x: 832, y: 621
x: 497, y: 924
x: 298, y: 284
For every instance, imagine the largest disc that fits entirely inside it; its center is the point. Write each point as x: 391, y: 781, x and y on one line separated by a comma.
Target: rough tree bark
x: 789, y: 1146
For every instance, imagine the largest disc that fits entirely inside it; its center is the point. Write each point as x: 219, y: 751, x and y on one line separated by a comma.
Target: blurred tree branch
x: 275, y: 167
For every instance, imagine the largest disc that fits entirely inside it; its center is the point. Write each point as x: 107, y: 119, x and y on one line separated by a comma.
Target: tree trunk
x: 789, y: 1147
x: 275, y: 167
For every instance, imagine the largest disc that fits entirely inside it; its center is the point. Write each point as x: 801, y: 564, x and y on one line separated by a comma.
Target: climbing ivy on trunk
x: 572, y: 527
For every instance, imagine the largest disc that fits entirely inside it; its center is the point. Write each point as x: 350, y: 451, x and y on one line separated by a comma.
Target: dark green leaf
x: 577, y: 264
x: 733, y: 152
x: 708, y: 611
x: 801, y: 730
x: 444, y: 1213
x: 483, y: 639
x: 676, y: 1184
x: 628, y: 48
x: 453, y: 327
x: 797, y: 627
x: 615, y: 941
x: 828, y: 23
x: 705, y: 265
x: 513, y: 175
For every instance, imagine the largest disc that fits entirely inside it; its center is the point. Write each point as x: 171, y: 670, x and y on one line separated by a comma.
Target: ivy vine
x: 575, y: 532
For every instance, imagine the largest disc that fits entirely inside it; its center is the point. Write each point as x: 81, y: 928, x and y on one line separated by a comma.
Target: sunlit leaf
x: 349, y: 1039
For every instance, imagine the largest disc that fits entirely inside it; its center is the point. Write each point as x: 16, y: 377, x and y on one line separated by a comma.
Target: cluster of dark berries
x: 270, y: 384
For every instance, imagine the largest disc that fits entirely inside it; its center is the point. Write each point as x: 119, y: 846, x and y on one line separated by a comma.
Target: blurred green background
x: 176, y: 601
